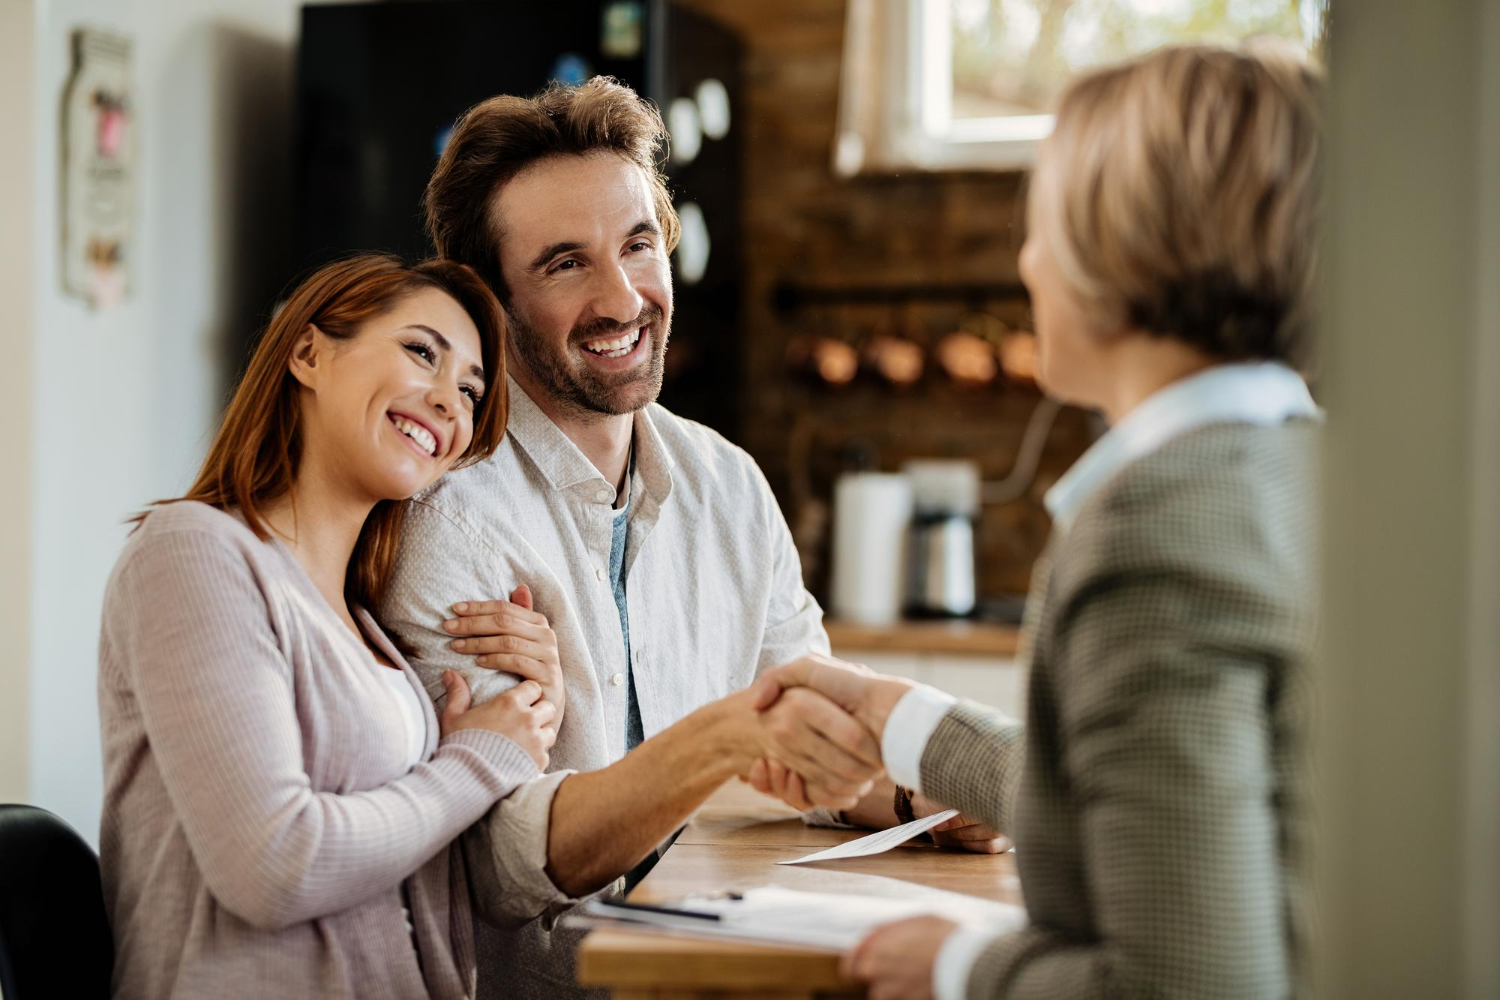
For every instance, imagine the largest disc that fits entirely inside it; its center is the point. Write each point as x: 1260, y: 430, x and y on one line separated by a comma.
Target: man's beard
x: 572, y: 384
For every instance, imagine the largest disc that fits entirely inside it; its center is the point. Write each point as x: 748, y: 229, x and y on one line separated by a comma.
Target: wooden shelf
x: 960, y: 637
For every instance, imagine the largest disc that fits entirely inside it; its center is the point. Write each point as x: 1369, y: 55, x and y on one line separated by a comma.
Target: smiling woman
x: 281, y: 797
x: 256, y: 455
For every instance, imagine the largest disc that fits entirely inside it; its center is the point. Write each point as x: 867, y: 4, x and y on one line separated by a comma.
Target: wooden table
x: 733, y: 843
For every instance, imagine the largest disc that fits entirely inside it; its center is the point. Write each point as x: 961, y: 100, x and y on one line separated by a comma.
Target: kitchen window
x: 969, y: 84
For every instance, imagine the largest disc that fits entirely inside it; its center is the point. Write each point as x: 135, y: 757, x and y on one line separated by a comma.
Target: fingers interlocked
x: 835, y: 759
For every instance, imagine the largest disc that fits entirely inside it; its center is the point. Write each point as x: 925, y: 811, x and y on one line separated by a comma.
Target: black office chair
x: 54, y: 934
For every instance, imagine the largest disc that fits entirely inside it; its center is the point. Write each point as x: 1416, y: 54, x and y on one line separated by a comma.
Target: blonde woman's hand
x: 896, y: 959
x: 511, y: 636
x: 962, y: 832
x: 521, y: 715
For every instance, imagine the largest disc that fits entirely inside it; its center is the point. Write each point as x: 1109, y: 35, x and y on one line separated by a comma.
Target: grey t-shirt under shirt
x: 635, y: 731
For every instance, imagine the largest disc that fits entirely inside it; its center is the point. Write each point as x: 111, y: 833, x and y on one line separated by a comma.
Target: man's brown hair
x: 498, y: 138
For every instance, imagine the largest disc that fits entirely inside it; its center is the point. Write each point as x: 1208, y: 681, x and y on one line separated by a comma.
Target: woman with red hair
x: 280, y: 797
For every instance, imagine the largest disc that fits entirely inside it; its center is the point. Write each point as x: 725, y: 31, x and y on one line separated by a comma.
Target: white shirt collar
x: 566, y: 468
x: 1265, y: 393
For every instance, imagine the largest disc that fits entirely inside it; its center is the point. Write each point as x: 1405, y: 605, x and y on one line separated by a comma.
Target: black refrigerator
x: 379, y: 86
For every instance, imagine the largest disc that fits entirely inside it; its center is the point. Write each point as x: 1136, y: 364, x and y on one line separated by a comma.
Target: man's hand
x: 962, y: 833
x: 657, y: 785
x: 773, y: 778
x: 897, y: 959
x: 510, y: 636
x: 837, y: 759
x: 866, y: 695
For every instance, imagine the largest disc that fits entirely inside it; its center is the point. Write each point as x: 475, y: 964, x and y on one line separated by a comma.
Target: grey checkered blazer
x: 1153, y: 793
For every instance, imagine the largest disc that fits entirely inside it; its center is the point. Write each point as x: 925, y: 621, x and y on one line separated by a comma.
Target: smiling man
x: 653, y: 546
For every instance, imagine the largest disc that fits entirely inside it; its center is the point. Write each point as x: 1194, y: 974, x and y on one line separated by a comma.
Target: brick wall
x: 803, y: 224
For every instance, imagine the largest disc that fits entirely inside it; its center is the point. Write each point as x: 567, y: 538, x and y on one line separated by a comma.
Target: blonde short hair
x: 1180, y: 196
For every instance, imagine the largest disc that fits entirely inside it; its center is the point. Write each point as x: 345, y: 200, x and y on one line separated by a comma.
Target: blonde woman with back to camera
x: 1152, y: 792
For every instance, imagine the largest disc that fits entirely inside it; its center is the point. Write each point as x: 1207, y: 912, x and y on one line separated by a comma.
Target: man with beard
x: 653, y: 547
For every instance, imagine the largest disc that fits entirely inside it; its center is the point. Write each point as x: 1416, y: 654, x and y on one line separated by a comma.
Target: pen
x: 664, y: 909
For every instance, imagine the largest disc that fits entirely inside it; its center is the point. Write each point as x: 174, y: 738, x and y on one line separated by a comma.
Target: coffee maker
x: 940, y: 541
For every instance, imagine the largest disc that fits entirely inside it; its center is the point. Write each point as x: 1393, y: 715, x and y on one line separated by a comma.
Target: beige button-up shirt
x: 714, y: 595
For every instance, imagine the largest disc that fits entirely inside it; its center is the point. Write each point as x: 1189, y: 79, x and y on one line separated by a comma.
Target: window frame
x: 924, y: 127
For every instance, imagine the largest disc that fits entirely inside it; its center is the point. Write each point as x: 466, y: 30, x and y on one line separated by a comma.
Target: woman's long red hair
x: 255, y: 454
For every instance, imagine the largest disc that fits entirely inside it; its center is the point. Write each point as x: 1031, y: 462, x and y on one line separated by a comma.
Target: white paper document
x: 822, y: 920
x: 878, y: 842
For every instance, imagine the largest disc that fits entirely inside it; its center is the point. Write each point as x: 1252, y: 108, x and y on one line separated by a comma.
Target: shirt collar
x: 566, y: 468
x: 623, y: 511
x: 1263, y: 393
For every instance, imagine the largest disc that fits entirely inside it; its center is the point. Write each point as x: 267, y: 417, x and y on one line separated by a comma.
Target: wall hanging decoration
x: 98, y: 140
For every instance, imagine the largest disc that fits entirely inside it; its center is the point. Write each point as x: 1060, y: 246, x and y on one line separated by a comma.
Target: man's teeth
x: 417, y: 433
x: 617, y: 348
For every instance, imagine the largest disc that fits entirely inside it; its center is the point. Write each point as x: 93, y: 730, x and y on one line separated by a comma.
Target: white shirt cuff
x: 956, y: 958
x: 907, y: 730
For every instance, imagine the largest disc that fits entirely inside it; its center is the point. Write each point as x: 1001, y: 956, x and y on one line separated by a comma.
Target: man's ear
x: 305, y: 363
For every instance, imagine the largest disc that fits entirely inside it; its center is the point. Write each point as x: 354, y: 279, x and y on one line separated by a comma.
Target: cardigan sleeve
x: 191, y: 626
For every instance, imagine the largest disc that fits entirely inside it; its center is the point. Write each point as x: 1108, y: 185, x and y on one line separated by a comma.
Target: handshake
x: 819, y: 727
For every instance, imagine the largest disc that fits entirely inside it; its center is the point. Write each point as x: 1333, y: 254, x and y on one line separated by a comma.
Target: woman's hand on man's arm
x: 521, y: 715
x: 512, y: 637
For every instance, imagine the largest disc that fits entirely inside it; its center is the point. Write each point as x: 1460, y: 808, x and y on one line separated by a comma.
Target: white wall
x: 1408, y: 761
x: 124, y: 399
x: 17, y: 83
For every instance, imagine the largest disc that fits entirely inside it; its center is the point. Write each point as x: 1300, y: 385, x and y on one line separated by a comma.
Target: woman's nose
x: 443, y: 398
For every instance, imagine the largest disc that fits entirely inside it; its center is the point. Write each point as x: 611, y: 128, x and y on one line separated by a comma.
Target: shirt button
x: 617, y: 680
x: 604, y: 496
x: 599, y: 573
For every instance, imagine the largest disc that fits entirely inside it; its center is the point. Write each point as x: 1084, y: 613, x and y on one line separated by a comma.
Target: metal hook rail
x: 788, y: 297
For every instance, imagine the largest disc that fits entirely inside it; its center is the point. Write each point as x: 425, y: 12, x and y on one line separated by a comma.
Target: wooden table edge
x: 619, y: 959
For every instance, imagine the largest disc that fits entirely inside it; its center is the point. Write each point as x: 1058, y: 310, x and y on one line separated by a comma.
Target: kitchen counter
x: 978, y: 660
x: 961, y: 637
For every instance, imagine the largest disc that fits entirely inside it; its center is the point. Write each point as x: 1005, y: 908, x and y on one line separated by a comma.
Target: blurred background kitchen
x: 850, y: 177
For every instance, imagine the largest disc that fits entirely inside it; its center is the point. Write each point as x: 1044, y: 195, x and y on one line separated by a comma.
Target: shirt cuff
x: 955, y: 959
x: 907, y: 730
x: 519, y: 828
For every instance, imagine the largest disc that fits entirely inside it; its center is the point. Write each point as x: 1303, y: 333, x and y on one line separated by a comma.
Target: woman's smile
x: 418, y: 434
